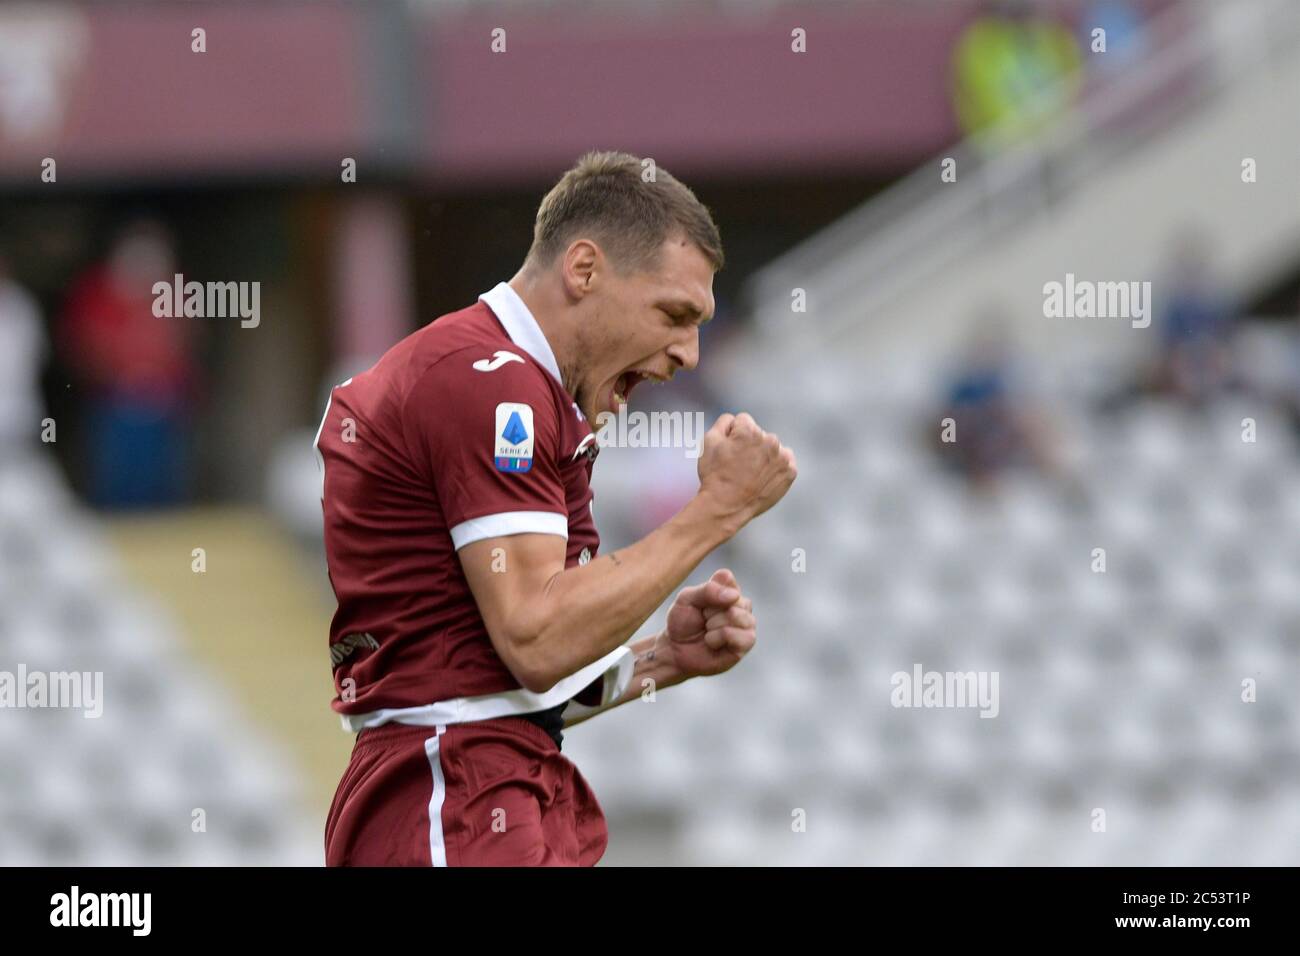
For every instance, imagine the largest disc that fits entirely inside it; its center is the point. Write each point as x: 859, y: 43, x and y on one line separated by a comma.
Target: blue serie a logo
x: 514, y: 437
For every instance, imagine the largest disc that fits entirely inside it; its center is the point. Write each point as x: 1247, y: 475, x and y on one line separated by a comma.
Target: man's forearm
x: 588, y: 611
x: 654, y: 669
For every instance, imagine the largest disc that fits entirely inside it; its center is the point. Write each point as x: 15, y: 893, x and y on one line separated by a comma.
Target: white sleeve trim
x: 619, y: 663
x: 618, y: 676
x: 508, y: 523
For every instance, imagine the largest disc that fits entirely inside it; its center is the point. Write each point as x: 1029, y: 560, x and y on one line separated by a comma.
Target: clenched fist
x: 743, y: 469
x: 711, y: 627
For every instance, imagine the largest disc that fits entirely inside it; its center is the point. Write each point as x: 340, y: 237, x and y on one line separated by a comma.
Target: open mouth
x: 623, y: 386
x: 629, y: 380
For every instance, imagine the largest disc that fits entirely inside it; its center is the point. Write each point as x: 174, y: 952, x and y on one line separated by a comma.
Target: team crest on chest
x: 587, y: 447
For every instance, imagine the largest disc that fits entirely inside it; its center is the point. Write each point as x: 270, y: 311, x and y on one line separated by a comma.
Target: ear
x: 581, y: 267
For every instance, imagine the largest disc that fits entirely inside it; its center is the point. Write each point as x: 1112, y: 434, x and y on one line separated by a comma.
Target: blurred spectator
x: 1126, y: 33
x: 993, y: 426
x: 1286, y: 392
x: 135, y: 372
x: 1015, y: 70
x: 22, y: 353
x: 1196, y: 326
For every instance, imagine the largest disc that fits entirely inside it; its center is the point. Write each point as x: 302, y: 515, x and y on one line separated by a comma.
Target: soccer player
x: 475, y: 619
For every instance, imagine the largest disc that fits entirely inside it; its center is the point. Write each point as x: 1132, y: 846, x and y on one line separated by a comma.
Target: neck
x: 547, y: 308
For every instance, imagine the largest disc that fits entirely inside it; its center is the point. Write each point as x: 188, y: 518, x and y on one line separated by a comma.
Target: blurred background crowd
x: 893, y: 198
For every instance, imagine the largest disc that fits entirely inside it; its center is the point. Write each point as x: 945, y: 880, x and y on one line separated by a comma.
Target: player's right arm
x: 546, y: 621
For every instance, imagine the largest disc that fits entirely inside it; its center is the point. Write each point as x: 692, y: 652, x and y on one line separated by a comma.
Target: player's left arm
x: 711, y: 626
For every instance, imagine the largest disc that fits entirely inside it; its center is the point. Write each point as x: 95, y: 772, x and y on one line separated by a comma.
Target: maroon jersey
x: 462, y: 431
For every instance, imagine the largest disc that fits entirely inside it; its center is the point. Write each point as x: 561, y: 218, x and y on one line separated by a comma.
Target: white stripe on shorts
x: 437, y: 848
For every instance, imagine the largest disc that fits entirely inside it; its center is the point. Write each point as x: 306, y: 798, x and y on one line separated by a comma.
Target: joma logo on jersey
x: 499, y: 357
x: 513, y: 437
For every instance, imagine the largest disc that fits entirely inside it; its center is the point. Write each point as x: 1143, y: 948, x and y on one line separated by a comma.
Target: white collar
x: 520, y: 325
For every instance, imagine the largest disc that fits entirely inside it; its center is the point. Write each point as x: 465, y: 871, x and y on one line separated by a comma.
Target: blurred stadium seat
x: 1120, y: 690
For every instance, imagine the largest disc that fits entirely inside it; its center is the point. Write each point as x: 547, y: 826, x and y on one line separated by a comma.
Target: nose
x: 685, y: 351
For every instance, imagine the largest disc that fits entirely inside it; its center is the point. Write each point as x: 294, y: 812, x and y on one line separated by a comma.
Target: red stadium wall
x: 114, y: 91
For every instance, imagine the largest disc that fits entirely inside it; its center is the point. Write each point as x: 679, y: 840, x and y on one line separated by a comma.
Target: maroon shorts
x: 489, y: 793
